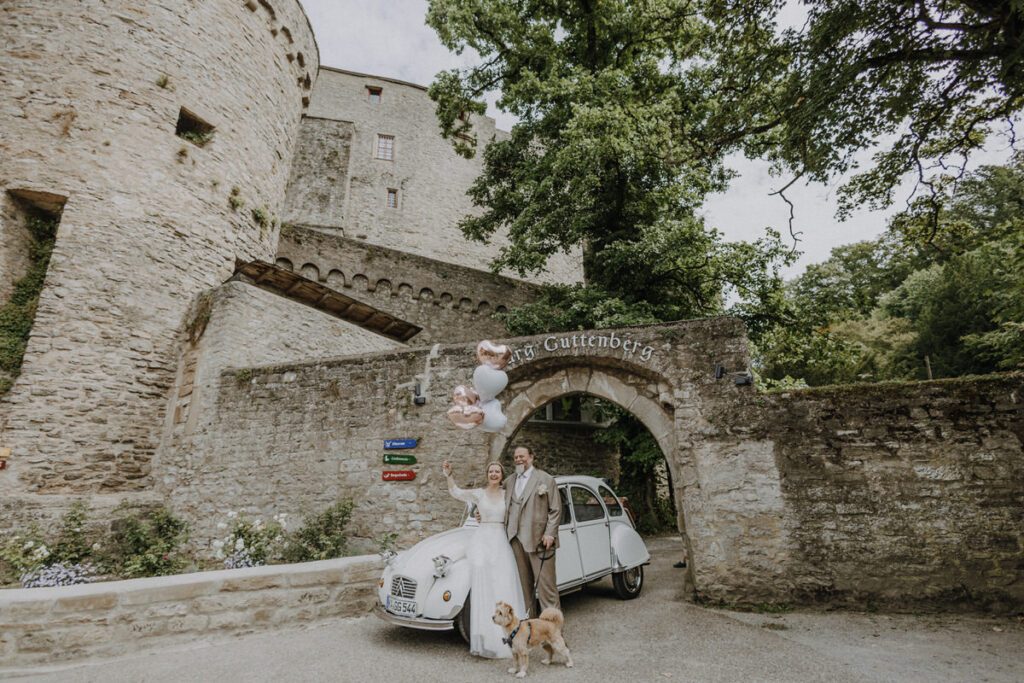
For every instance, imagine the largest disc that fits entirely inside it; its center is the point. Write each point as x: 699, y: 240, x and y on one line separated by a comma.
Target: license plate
x: 401, y: 606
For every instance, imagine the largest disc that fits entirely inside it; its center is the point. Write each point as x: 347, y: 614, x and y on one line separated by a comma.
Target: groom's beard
x: 520, y: 469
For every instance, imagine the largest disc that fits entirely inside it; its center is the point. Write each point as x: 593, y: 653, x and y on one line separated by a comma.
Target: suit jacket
x: 536, y: 513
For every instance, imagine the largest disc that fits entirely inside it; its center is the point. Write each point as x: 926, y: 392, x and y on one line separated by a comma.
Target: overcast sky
x: 389, y: 38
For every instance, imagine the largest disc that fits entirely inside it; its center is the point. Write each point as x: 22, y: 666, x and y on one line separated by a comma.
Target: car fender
x: 628, y: 549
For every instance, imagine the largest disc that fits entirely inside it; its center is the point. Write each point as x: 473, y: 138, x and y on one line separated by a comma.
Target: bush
x: 146, y: 544
x: 322, y: 536
x: 251, y: 544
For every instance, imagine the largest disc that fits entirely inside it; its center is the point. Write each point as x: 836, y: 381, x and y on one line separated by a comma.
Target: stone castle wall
x: 90, y: 96
x: 450, y: 302
x: 801, y: 497
x: 339, y: 184
x: 902, y: 493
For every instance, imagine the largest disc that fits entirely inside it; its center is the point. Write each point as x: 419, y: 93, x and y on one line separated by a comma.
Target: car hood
x: 421, y: 556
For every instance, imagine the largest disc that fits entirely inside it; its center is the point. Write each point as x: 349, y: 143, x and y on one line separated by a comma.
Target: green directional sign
x: 399, y: 459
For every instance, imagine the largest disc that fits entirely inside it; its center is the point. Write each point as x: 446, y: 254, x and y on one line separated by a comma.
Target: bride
x: 494, y: 573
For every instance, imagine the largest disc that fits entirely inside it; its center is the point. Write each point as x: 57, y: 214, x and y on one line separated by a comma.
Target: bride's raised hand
x: 446, y: 467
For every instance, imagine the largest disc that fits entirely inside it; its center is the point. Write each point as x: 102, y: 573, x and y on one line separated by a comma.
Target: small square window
x: 386, y: 147
x: 373, y: 94
x: 392, y: 198
x: 192, y: 128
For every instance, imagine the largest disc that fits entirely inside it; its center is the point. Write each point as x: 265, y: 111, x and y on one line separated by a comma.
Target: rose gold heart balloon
x: 494, y: 355
x: 465, y: 417
x: 465, y: 396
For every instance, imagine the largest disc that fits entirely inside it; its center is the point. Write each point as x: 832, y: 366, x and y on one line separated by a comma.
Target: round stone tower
x: 162, y: 132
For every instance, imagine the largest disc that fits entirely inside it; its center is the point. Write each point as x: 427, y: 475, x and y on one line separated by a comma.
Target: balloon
x: 465, y: 396
x: 489, y: 382
x: 493, y: 355
x: 494, y: 419
x: 465, y: 417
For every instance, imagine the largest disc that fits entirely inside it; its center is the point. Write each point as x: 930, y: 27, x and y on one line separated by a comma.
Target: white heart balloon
x: 494, y: 419
x: 489, y: 382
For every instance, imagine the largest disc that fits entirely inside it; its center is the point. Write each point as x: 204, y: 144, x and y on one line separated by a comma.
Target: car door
x: 592, y: 532
x: 568, y: 566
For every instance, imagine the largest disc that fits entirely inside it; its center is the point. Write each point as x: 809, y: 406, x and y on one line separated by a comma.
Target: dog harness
x: 512, y: 635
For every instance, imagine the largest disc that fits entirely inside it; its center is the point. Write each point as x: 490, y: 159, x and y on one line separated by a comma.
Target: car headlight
x: 388, y: 556
x: 441, y: 563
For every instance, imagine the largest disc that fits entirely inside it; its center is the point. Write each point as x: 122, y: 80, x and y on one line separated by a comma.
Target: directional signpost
x: 399, y: 459
x: 397, y: 475
x: 399, y: 444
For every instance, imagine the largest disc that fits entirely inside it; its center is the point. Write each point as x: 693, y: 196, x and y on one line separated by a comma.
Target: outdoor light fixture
x: 418, y: 398
x: 743, y: 379
x: 740, y: 379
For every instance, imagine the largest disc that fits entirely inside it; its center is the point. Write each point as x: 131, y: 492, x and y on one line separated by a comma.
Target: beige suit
x: 528, y: 518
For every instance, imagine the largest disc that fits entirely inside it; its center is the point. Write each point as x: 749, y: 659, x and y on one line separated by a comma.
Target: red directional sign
x: 397, y: 475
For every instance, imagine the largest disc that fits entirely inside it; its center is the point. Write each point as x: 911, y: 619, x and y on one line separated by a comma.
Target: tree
x: 604, y: 156
x: 933, y: 76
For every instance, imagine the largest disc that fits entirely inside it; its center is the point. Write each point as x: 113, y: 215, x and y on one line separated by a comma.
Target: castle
x: 173, y: 141
x: 257, y: 278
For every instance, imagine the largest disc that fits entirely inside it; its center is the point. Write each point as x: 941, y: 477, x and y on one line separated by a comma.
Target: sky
x: 389, y: 38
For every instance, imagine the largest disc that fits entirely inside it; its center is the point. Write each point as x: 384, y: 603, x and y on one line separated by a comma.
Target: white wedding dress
x: 495, y: 575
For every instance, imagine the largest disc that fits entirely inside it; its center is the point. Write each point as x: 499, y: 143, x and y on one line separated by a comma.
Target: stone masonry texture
x: 47, y: 626
x: 90, y: 96
x: 450, y: 302
x: 908, y: 494
x: 338, y: 182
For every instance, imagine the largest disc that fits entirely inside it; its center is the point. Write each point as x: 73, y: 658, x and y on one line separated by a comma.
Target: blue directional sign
x: 399, y: 444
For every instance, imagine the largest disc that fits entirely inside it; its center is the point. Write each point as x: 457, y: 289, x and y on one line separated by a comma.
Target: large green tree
x: 606, y: 157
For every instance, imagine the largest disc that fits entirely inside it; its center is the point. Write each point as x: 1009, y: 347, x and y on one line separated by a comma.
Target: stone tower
x: 163, y: 131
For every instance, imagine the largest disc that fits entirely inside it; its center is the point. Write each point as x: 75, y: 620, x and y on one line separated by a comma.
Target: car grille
x: 402, y: 587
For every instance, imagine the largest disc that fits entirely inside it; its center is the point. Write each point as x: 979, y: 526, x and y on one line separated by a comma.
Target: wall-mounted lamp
x: 417, y: 397
x: 740, y: 379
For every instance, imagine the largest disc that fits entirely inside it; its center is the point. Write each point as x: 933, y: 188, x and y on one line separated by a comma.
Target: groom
x: 532, y: 513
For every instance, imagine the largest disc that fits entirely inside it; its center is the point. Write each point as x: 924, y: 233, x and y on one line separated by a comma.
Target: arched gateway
x: 831, y: 494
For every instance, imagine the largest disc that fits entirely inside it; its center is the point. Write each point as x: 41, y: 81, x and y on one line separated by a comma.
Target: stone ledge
x: 45, y: 626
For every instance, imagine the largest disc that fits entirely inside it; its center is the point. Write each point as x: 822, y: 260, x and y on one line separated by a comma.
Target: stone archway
x: 636, y: 389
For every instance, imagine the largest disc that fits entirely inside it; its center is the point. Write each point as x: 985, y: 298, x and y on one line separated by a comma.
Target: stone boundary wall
x: 451, y: 303
x: 51, y: 626
x: 901, y: 494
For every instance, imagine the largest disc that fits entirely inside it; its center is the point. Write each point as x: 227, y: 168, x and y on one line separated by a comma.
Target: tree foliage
x: 948, y: 298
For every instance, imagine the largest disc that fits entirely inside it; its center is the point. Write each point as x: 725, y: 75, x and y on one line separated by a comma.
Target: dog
x: 546, y: 630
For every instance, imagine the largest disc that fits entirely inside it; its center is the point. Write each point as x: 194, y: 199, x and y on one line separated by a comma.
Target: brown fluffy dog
x: 546, y: 630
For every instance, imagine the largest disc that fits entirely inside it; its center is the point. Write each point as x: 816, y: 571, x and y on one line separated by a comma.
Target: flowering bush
x: 59, y: 574
x: 250, y: 544
x: 28, y: 556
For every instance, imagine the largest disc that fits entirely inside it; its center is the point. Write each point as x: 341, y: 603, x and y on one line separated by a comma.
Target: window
x: 566, y: 507
x: 386, y: 147
x: 392, y: 198
x: 373, y: 94
x: 192, y: 128
x: 586, y: 505
x: 610, y: 501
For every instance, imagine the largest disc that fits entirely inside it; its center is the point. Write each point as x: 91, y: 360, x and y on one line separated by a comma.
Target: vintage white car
x: 427, y: 586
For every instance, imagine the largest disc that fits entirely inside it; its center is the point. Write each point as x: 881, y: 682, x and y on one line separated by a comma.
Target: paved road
x: 657, y: 637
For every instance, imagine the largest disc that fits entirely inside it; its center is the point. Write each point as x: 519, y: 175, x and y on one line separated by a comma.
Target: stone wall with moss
x: 97, y: 99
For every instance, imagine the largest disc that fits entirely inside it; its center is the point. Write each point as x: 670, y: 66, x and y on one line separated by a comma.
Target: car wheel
x: 462, y: 621
x: 628, y: 583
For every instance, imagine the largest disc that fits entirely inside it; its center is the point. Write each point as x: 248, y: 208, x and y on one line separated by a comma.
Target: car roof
x: 587, y: 480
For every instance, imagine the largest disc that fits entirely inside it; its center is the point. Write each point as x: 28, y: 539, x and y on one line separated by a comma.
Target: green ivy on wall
x: 17, y: 314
